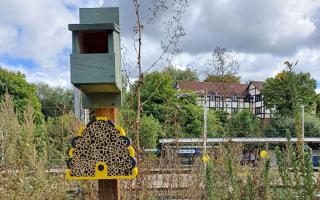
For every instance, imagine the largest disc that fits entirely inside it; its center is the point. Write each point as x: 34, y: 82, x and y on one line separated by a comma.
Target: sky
x: 34, y: 36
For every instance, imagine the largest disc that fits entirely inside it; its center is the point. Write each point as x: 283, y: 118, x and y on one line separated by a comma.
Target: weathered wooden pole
x: 108, y: 189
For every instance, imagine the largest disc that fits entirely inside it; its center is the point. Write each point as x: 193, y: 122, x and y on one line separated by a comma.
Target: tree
x: 157, y: 94
x: 179, y: 74
x: 22, y: 92
x: 222, y: 67
x: 55, y: 101
x: 318, y: 105
x: 222, y: 116
x: 179, y: 115
x: 174, y: 31
x: 222, y: 79
x: 150, y: 131
x: 285, y: 94
x: 190, y: 118
x: 244, y: 124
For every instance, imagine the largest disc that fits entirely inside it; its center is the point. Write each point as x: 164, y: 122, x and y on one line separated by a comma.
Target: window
x: 258, y: 97
x: 235, y: 98
x: 218, y: 98
x: 248, y: 99
x: 258, y: 110
x: 93, y: 41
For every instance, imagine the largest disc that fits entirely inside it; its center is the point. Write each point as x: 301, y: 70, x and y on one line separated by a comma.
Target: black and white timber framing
x: 229, y: 97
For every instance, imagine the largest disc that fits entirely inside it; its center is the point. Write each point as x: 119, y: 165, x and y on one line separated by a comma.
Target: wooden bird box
x: 95, y: 59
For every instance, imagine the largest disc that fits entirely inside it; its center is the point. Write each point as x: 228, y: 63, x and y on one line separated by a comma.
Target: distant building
x: 229, y: 97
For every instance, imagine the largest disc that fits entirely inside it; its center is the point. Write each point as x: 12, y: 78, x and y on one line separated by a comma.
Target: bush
x: 279, y: 126
x: 222, y: 116
x: 58, y: 131
x: 215, y: 126
x: 296, y: 173
x: 244, y: 124
x: 190, y: 118
x: 23, y: 168
x: 22, y: 93
x: 312, y: 126
x: 150, y: 130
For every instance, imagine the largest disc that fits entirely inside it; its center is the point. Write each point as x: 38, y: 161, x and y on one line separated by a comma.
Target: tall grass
x: 24, y: 172
x: 27, y: 151
x: 226, y: 177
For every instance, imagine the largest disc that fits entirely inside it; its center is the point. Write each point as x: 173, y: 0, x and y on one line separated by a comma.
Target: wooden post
x: 108, y: 189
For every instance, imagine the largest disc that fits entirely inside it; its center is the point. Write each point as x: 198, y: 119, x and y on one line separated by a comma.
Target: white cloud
x: 260, y: 66
x: 274, y: 26
x: 53, y: 76
x: 309, y: 61
x: 263, y: 34
x: 37, y: 30
x: 41, y: 26
x: 7, y: 33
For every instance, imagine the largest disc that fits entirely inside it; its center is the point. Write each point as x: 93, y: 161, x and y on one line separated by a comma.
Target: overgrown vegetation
x: 55, y: 101
x: 280, y: 127
x: 32, y: 156
x: 244, y: 124
x: 296, y: 173
x: 24, y: 158
x: 288, y: 91
x: 22, y: 92
x: 33, y: 147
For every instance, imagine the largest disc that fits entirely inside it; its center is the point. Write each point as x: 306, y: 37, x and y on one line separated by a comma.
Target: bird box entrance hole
x: 93, y: 42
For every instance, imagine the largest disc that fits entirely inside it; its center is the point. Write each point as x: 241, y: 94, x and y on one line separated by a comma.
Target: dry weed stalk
x: 25, y: 165
x: 23, y: 172
x: 165, y: 178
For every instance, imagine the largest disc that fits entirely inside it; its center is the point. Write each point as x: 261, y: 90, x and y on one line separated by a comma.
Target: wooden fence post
x: 108, y: 189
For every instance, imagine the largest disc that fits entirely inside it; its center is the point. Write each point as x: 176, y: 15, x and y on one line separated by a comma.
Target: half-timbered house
x: 229, y: 97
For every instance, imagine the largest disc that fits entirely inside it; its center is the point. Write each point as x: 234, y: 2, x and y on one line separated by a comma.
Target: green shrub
x: 150, y: 130
x: 22, y: 93
x: 296, y: 173
x: 312, y: 126
x: 279, y: 126
x: 214, y: 126
x: 244, y: 124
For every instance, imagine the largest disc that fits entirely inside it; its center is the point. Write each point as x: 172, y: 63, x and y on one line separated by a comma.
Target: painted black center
x: 100, y: 167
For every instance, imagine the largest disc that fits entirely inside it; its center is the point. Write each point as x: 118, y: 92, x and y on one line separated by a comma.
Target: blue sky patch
x: 19, y: 31
x: 71, y: 7
x: 64, y: 56
x: 16, y: 61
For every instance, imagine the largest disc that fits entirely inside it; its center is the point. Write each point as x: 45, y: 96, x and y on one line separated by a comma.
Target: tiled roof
x: 224, y: 89
x: 258, y: 84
